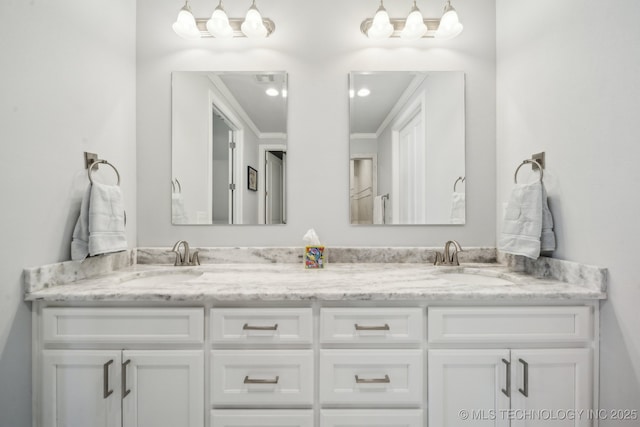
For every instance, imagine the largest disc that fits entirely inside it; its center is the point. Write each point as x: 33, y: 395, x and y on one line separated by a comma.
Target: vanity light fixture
x: 220, y: 26
x: 380, y: 27
x: 253, y: 27
x: 450, y: 25
x: 414, y: 27
x: 185, y: 26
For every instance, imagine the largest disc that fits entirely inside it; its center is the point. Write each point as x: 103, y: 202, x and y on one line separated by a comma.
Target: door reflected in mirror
x: 407, y: 147
x: 224, y: 125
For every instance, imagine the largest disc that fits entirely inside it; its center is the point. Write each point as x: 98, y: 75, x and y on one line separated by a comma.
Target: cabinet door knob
x: 507, y: 389
x: 525, y: 379
x: 248, y: 327
x: 385, y: 327
x: 105, y: 379
x: 384, y: 380
x: 248, y: 380
x: 125, y: 392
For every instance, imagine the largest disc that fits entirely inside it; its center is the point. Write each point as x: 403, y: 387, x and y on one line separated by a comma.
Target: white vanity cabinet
x: 527, y: 379
x: 262, y: 367
x: 371, y: 364
x: 314, y: 364
x: 95, y: 370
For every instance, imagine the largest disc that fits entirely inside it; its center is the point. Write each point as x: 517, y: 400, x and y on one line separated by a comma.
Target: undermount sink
x: 162, y: 278
x: 475, y: 277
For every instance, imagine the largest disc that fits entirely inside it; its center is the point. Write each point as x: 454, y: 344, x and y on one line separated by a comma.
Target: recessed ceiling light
x: 364, y: 92
x: 272, y: 92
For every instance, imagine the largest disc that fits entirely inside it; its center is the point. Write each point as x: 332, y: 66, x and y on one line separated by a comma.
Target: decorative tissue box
x: 314, y: 257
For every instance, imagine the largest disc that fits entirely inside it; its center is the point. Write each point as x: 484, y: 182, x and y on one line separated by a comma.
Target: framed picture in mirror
x: 252, y: 179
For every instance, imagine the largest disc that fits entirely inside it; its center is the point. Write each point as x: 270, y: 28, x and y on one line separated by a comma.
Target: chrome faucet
x: 185, y: 258
x: 447, y: 258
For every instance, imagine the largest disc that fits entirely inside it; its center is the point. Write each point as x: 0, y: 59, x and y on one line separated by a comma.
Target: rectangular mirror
x: 407, y: 147
x: 229, y: 147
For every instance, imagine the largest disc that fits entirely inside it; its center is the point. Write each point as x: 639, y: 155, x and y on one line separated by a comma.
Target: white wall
x: 318, y: 43
x: 68, y: 86
x: 568, y: 85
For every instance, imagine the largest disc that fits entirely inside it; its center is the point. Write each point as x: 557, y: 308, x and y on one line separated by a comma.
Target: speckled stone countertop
x: 337, y: 282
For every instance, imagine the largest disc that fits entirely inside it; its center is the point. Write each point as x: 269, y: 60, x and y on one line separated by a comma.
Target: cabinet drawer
x: 371, y: 377
x: 262, y: 325
x: 262, y: 377
x: 371, y: 325
x: 262, y: 418
x: 509, y: 324
x: 371, y: 418
x: 123, y: 325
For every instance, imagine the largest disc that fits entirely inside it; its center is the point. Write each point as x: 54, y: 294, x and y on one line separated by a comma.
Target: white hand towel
x: 522, y: 226
x: 458, y: 208
x: 178, y: 215
x: 106, y: 220
x: 378, y: 210
x: 80, y: 241
x: 548, y: 237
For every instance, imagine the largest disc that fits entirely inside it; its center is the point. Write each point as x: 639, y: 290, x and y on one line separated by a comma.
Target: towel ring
x: 176, y: 184
x: 105, y: 163
x: 460, y: 179
x: 525, y: 161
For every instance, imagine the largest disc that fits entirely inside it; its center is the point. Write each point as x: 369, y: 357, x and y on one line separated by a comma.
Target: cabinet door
x: 465, y: 388
x: 549, y: 385
x: 163, y: 388
x: 80, y: 388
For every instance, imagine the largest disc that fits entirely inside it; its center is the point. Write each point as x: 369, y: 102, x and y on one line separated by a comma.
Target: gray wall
x: 67, y: 86
x: 568, y: 85
x: 318, y: 43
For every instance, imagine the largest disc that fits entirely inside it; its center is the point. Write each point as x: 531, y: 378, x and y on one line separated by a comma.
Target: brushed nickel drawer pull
x: 372, y: 328
x: 125, y: 392
x: 385, y: 380
x: 525, y: 368
x: 507, y: 390
x: 248, y: 327
x: 105, y: 380
x: 248, y: 380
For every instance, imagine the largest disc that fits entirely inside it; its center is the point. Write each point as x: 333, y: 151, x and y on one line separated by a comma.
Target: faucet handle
x: 195, y: 259
x: 439, y: 259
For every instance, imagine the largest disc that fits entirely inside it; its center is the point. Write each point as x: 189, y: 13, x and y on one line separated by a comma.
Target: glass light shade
x: 185, y: 26
x: 253, y: 27
x: 450, y: 25
x: 381, y: 27
x: 218, y: 25
x: 414, y: 27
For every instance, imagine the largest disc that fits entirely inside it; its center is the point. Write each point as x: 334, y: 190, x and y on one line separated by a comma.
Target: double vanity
x: 265, y: 343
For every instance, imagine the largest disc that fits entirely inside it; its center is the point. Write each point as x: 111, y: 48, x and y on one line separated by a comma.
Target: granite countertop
x: 337, y: 282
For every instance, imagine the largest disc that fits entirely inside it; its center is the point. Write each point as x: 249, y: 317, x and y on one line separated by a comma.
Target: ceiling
x: 368, y: 113
x: 268, y: 113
